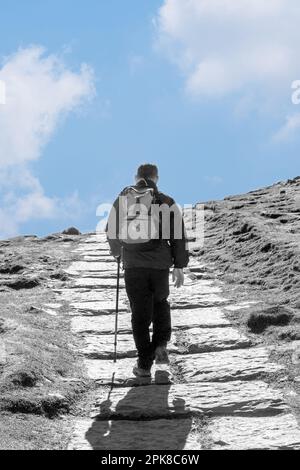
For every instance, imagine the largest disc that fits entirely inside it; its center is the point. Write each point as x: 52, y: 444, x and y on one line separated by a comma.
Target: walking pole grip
x: 117, y: 309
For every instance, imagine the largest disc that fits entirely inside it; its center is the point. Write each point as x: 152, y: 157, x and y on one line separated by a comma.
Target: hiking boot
x: 139, y: 372
x: 161, y: 355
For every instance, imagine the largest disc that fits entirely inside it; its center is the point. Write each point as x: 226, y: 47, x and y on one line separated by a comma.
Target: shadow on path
x: 138, y: 429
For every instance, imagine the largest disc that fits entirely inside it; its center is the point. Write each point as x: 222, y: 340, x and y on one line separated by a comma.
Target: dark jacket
x: 165, y: 253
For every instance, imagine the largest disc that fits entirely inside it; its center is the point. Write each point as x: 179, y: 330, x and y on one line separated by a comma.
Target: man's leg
x: 161, y: 308
x: 137, y: 282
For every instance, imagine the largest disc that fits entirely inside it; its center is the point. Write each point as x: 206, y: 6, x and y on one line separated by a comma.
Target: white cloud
x: 29, y: 202
x: 40, y: 92
x: 289, y: 129
x: 228, y: 46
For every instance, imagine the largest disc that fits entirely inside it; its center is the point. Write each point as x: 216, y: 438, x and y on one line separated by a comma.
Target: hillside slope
x: 254, y: 239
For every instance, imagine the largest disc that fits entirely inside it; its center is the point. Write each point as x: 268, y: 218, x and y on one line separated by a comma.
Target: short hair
x: 147, y: 171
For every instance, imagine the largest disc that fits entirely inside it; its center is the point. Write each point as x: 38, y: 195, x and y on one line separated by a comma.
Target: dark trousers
x: 148, y: 291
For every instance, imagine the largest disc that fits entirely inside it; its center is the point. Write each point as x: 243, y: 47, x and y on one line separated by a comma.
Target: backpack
x: 139, y: 225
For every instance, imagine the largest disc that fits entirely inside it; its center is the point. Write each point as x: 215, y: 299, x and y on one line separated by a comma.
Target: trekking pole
x: 117, y: 308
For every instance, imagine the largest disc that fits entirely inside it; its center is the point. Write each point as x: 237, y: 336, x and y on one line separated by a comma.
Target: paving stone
x: 104, y: 258
x: 93, y: 295
x: 107, y: 278
x: 98, y: 275
x: 96, y: 325
x: 240, y: 364
x: 253, y: 398
x: 97, y: 239
x: 199, y: 340
x: 271, y: 433
x: 199, y: 317
x: 97, y: 282
x: 102, y: 346
x: 106, y: 372
x: 160, y: 434
x: 194, y: 283
x: 88, y: 267
x: 96, y: 308
x: 194, y: 290
x: 198, y: 301
x: 91, y: 249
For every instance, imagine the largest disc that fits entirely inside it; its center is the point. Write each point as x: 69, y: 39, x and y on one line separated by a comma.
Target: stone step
x: 253, y: 398
x: 102, y: 257
x: 93, y: 295
x: 96, y: 243
x: 203, y: 301
x: 160, y: 434
x: 77, y: 267
x: 91, y: 249
x: 195, y: 289
x: 201, y: 340
x: 95, y: 325
x: 102, y: 346
x: 181, y: 319
x: 272, y: 433
x: 199, y: 317
x: 224, y: 366
x: 109, y: 282
x: 96, y: 308
x: 105, y: 372
x: 97, y: 238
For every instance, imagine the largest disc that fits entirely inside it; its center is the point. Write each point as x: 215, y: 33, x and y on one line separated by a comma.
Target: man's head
x: 147, y: 171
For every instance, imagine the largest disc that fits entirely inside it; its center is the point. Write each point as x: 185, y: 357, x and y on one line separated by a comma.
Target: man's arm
x: 178, y: 240
x: 179, y: 245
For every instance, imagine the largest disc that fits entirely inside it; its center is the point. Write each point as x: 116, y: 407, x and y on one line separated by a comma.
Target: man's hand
x: 178, y: 277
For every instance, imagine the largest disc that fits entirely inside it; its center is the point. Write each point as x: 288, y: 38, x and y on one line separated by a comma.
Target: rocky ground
x: 254, y: 240
x: 233, y: 382
x: 40, y: 377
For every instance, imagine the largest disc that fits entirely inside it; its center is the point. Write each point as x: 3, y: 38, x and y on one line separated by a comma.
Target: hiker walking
x: 145, y: 228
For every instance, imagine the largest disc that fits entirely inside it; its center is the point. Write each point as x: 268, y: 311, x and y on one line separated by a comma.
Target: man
x: 147, y: 263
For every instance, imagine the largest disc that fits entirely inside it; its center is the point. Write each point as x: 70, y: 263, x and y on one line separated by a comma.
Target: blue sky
x: 161, y: 87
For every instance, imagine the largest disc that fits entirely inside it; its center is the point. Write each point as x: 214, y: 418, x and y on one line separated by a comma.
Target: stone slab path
x: 214, y: 395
